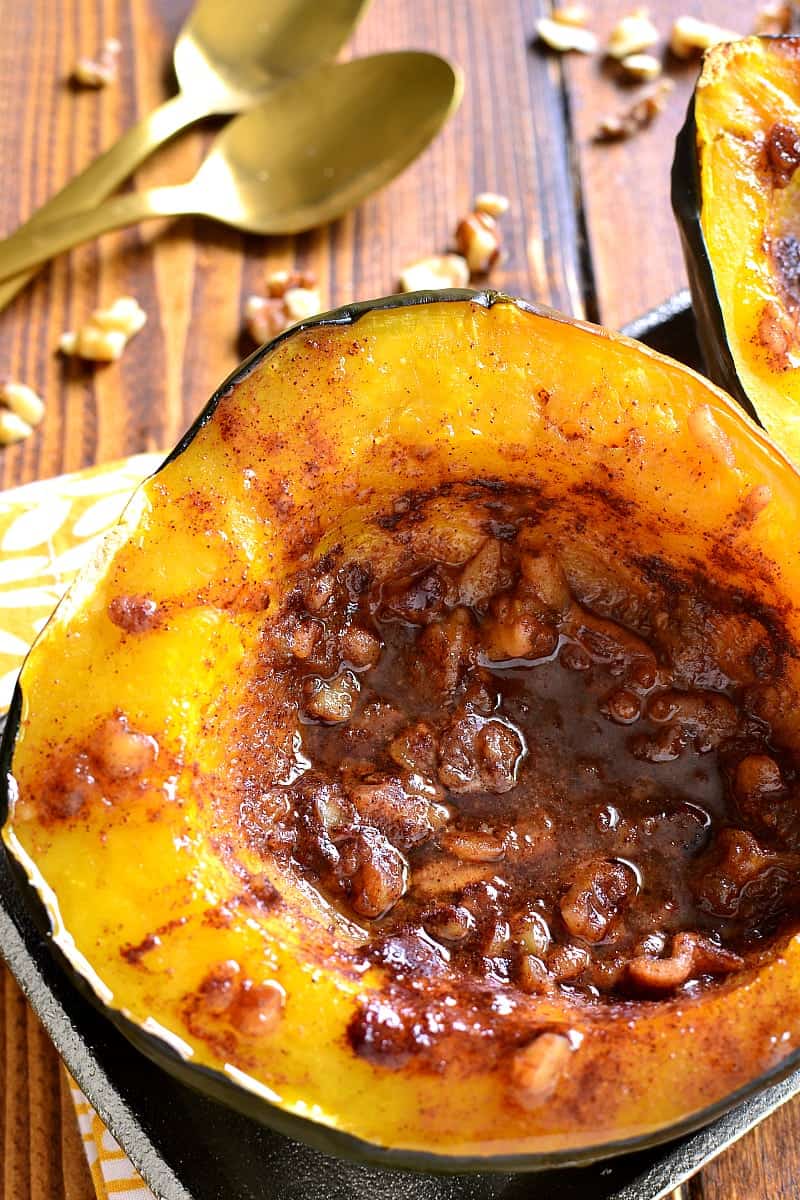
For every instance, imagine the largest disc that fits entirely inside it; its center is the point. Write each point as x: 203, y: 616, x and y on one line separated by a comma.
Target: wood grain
x: 590, y: 231
x: 634, y: 258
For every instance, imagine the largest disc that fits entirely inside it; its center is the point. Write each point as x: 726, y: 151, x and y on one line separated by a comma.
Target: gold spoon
x: 227, y: 57
x: 312, y: 149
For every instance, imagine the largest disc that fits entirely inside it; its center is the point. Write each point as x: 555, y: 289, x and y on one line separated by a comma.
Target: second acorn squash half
x: 395, y: 428
x: 736, y: 196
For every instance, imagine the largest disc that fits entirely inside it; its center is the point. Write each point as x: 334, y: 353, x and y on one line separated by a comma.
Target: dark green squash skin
x: 219, y: 1087
x: 687, y: 203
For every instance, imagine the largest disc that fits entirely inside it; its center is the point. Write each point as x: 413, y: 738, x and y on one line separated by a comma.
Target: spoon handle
x: 103, y: 175
x: 36, y: 243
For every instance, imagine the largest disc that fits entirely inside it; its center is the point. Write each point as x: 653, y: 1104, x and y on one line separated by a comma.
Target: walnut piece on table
x: 632, y: 34
x: 643, y: 67
x: 291, y: 297
x: 774, y: 18
x: 692, y: 36
x: 642, y: 112
x: 563, y: 37
x: 98, y: 72
x: 107, y: 332
x: 435, y: 272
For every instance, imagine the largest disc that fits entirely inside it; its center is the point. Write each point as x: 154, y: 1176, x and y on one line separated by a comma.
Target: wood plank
x: 765, y: 1165
x: 633, y: 248
x: 15, y: 1172
x: 192, y: 277
x: 44, y: 1113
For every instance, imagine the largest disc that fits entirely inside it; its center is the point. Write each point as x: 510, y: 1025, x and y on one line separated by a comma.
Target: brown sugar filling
x: 498, y: 781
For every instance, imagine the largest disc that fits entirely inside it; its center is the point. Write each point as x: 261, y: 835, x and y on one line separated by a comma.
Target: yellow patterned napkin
x: 113, y: 1175
x: 47, y: 531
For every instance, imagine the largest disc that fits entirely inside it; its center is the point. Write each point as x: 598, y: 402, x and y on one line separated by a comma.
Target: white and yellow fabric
x: 113, y: 1175
x: 48, y: 530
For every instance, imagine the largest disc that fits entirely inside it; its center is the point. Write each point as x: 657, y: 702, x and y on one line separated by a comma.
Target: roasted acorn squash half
x: 736, y: 196
x: 158, y: 731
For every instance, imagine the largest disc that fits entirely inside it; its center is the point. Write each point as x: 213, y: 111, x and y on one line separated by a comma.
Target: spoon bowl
x: 312, y: 149
x: 230, y: 55
x: 319, y: 144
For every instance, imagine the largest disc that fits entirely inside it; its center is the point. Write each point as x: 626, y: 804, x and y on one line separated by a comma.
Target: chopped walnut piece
x: 641, y: 113
x: 122, y: 752
x: 446, y: 649
x: 378, y: 873
x: 331, y: 700
x: 514, y: 632
x: 632, y: 34
x: 360, y: 647
x: 12, y: 428
x: 478, y: 239
x: 107, y: 332
x: 257, y: 1008
x: 691, y: 36
x: 291, y: 297
x: 301, y: 303
x: 532, y: 933
x: 438, y: 271
x: 774, y: 18
x: 416, y: 747
x: 450, y: 922
x: 691, y: 954
x: 493, y: 203
x: 97, y: 73
x: 480, y: 754
x: 403, y: 808
x: 571, y: 14
x: 537, y: 1068
x: 563, y: 37
x: 473, y: 846
x: 281, y: 282
x: 644, y: 67
x: 133, y: 614
x: 706, y: 431
x: 482, y: 575
x: 23, y: 401
x: 598, y: 892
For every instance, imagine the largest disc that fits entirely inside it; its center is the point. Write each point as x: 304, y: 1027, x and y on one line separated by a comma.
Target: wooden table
x: 589, y: 231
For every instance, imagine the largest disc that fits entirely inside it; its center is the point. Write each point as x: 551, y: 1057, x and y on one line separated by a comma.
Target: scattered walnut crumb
x: 107, y: 332
x: 99, y: 72
x: 641, y: 113
x: 291, y: 297
x: 571, y: 14
x: 478, y: 238
x: 774, y: 18
x: 12, y: 428
x: 537, y: 1068
x: 281, y: 282
x: 632, y: 34
x: 644, y: 67
x: 692, y: 36
x: 438, y: 271
x: 493, y: 203
x: 23, y: 401
x: 563, y: 37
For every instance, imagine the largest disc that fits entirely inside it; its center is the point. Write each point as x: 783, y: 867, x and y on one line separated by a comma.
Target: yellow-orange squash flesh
x: 747, y: 115
x: 145, y: 889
